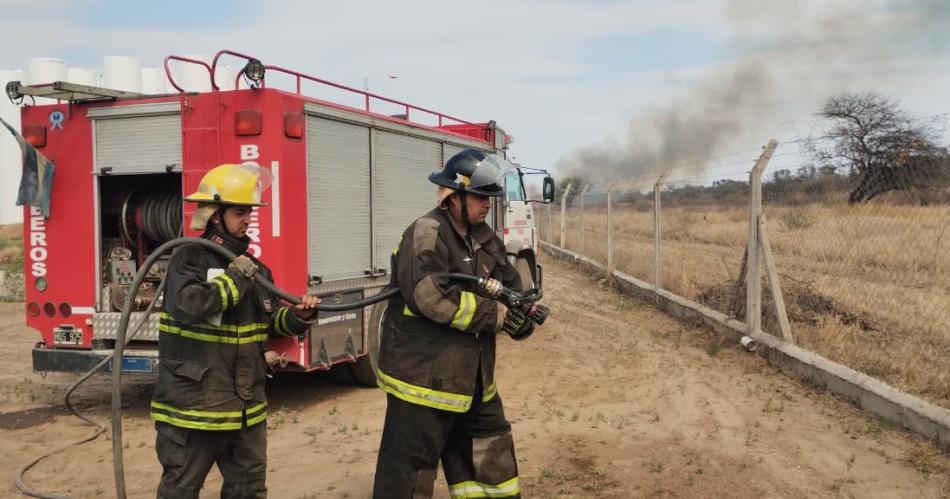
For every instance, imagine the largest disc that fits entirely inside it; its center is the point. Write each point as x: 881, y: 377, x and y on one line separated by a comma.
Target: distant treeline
x: 918, y: 181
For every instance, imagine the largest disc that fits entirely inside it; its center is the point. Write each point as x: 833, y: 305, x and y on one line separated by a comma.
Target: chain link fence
x: 866, y: 275
x: 864, y: 281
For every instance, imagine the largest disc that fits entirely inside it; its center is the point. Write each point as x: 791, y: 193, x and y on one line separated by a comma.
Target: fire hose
x: 525, y: 302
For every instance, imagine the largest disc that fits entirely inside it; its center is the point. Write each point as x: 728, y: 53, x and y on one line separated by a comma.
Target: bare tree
x: 875, y: 140
x: 577, y: 184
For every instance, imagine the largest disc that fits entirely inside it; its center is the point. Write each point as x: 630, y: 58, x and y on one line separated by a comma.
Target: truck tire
x: 363, y: 371
x: 524, y: 270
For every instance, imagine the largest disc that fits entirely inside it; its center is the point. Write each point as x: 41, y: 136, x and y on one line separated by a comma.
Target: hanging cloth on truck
x: 36, y: 179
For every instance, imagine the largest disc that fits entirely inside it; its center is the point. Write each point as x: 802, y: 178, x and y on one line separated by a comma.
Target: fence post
x: 610, y: 233
x: 550, y: 226
x: 753, y: 296
x: 583, y: 193
x: 567, y: 191
x: 542, y: 230
x: 656, y: 231
x: 534, y: 211
x: 774, y: 286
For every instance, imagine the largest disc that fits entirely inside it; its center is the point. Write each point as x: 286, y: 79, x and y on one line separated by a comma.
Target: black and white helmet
x: 471, y: 170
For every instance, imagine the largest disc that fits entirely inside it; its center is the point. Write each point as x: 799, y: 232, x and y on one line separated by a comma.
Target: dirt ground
x: 609, y: 399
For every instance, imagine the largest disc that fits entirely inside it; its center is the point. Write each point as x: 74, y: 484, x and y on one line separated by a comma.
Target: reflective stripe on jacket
x: 437, y: 333
x: 212, y: 331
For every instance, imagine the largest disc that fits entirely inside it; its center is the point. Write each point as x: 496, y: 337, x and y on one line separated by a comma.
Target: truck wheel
x: 363, y: 370
x: 524, y: 270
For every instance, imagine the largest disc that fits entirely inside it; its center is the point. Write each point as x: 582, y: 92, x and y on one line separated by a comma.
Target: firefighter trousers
x: 476, y: 449
x: 187, y: 456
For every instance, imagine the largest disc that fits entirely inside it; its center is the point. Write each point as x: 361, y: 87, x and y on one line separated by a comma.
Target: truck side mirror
x: 548, y: 190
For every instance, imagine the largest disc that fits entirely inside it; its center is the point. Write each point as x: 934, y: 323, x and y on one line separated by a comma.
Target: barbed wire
x: 683, y: 165
x: 697, y: 166
x: 652, y: 176
x: 705, y: 172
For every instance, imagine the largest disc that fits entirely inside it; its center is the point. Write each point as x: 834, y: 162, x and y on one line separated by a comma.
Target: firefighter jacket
x: 212, y: 331
x: 439, y: 333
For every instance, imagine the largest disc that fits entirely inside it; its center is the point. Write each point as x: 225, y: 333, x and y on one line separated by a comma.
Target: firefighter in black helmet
x: 209, y: 404
x: 437, y: 351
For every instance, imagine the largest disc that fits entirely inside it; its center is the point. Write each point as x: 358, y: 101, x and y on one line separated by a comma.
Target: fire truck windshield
x: 513, y: 190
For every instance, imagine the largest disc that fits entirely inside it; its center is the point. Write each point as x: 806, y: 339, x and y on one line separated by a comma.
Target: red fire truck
x: 348, y: 179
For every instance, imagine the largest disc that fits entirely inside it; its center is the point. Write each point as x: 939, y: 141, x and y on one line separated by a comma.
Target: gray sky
x: 608, y: 86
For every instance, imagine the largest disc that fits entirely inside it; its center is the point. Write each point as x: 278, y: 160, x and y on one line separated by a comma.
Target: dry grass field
x: 11, y: 242
x: 11, y: 261
x: 867, y: 286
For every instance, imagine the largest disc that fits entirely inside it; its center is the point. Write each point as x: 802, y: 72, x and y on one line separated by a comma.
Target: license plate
x: 67, y: 336
x: 135, y: 365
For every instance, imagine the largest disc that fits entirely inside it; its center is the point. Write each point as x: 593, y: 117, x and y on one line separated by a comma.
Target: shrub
x: 797, y: 218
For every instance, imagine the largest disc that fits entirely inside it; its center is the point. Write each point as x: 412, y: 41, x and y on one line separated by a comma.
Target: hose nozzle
x: 526, y: 302
x: 537, y: 312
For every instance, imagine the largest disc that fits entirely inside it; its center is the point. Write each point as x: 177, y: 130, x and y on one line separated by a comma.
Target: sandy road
x: 609, y: 399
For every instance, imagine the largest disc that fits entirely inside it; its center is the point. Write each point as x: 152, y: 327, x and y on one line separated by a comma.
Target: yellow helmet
x: 234, y: 185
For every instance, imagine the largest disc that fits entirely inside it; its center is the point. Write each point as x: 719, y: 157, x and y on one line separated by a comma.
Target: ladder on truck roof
x: 65, y: 91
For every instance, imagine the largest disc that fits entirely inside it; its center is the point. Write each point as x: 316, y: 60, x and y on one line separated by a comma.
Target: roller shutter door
x: 338, y: 176
x: 403, y: 191
x: 140, y: 144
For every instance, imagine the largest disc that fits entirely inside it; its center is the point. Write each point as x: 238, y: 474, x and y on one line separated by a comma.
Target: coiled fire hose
x: 526, y: 302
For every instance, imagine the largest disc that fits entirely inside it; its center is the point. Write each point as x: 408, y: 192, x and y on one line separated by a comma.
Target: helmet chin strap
x: 464, y: 208
x: 221, y: 225
x: 220, y: 221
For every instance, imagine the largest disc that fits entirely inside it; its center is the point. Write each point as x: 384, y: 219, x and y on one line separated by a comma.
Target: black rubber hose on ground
x: 100, y: 429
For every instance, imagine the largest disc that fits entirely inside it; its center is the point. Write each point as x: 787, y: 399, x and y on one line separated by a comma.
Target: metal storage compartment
x: 137, y: 139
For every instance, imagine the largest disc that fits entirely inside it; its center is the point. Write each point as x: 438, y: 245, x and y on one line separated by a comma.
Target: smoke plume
x: 789, y: 56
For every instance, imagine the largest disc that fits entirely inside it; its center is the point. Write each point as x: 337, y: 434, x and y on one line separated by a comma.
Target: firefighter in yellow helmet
x: 437, y: 349
x: 209, y: 405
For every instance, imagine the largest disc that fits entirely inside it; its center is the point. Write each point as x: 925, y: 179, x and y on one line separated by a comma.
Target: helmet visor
x: 489, y: 173
x: 264, y: 176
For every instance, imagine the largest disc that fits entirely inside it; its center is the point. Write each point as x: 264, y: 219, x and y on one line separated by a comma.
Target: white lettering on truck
x: 275, y: 200
x: 254, y: 233
x: 249, y: 153
x: 38, y: 251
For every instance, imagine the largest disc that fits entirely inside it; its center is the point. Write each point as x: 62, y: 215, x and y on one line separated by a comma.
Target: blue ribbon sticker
x: 56, y: 119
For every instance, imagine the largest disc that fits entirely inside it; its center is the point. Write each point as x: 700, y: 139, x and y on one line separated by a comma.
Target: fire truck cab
x: 348, y: 179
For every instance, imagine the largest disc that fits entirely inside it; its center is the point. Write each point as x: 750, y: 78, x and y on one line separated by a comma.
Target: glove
x: 500, y: 321
x: 276, y: 359
x: 517, y: 324
x: 492, y: 288
x: 305, y: 311
x: 244, y: 265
